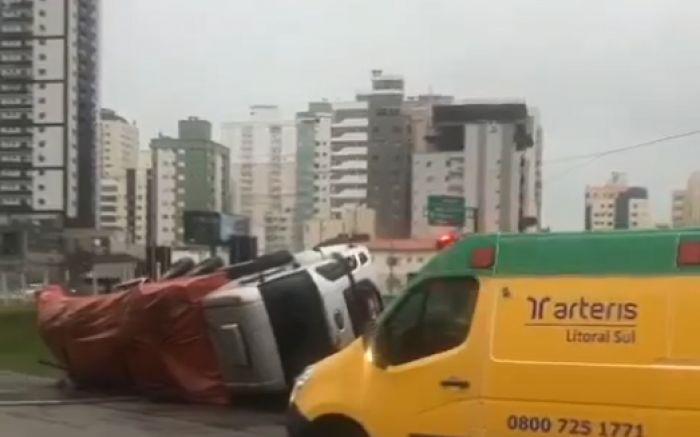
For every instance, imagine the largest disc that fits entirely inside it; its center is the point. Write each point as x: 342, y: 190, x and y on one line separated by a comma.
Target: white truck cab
x: 269, y: 325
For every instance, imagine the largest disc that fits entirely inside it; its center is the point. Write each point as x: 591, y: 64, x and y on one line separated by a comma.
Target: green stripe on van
x: 581, y: 253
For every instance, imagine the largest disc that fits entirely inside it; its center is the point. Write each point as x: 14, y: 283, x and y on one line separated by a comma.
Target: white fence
x: 15, y: 289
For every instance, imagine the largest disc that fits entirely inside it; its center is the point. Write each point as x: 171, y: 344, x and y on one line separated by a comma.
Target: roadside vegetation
x: 21, y: 348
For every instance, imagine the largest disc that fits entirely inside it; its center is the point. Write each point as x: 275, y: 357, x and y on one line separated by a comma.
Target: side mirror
x: 369, y: 332
x: 372, y: 339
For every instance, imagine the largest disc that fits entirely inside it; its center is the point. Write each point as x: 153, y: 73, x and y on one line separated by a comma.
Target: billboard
x: 213, y: 228
x: 233, y: 226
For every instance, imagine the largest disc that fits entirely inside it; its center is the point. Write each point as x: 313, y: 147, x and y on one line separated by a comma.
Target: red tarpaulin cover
x: 152, y: 338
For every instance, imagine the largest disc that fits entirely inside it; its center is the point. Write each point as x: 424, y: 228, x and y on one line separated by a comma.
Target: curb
x: 58, y: 402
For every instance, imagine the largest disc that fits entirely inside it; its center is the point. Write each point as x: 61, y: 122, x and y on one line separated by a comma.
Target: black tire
x: 275, y: 259
x: 336, y: 428
x: 180, y: 268
x: 207, y: 266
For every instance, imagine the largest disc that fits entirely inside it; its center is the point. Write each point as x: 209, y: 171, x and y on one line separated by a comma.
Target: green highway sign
x: 446, y: 211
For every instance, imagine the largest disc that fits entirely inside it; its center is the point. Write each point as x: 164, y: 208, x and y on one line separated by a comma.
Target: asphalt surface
x: 35, y: 407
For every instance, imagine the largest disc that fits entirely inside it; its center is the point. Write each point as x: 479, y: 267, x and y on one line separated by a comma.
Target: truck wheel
x: 336, y: 427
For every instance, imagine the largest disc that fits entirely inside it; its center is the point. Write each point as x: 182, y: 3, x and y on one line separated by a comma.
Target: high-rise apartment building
x: 347, y: 185
x: 678, y: 208
x: 489, y: 154
x: 686, y: 203
x: 390, y: 149
x: 340, y: 158
x: 313, y: 140
x: 435, y: 174
x: 48, y: 110
x: 616, y: 205
x: 419, y: 110
x: 264, y: 175
x: 139, y: 200
x: 190, y: 172
x: 118, y: 154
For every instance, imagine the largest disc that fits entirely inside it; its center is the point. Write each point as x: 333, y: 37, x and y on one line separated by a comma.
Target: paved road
x: 109, y: 418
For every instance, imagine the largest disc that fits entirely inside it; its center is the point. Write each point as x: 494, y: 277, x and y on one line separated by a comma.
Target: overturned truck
x: 205, y: 332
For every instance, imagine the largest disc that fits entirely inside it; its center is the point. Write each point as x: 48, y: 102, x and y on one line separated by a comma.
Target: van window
x: 434, y: 317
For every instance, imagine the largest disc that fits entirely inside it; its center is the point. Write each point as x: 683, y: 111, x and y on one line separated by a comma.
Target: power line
x: 592, y: 157
x: 624, y: 149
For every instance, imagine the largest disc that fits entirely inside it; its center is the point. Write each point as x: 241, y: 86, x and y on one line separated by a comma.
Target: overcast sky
x: 603, y: 73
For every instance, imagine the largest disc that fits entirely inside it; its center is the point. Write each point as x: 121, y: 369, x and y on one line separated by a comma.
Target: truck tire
x: 275, y: 259
x: 207, y: 266
x: 180, y: 268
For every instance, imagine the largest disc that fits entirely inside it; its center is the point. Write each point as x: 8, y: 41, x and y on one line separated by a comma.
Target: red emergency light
x: 446, y: 240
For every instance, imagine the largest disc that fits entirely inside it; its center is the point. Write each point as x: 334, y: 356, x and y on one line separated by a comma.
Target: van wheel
x: 336, y: 427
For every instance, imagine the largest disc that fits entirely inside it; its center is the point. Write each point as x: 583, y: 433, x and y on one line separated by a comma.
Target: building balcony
x: 17, y: 17
x: 15, y: 200
x: 351, y: 122
x: 7, y: 174
x: 16, y: 29
x: 15, y: 189
x: 349, y: 179
x: 13, y: 130
x: 25, y: 4
x: 15, y: 106
x: 24, y: 63
x: 15, y: 75
x: 351, y: 137
x: 15, y: 88
x: 349, y: 194
x: 358, y: 151
x: 15, y: 144
x: 348, y: 165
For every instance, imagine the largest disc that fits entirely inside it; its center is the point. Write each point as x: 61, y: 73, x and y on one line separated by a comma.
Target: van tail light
x: 483, y: 257
x: 688, y: 253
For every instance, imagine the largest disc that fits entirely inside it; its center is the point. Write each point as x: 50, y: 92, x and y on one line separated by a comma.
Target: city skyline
x: 594, y: 91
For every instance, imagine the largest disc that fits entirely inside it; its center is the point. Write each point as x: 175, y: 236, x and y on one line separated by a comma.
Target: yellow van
x: 574, y: 334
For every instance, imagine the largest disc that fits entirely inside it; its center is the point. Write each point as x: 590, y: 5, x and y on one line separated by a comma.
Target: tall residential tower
x: 189, y: 173
x: 48, y: 111
x: 118, y: 154
x: 264, y: 175
x: 616, y: 205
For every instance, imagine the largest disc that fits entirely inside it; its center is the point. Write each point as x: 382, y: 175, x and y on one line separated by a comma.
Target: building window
x: 42, y: 100
x: 41, y: 187
x: 42, y: 201
x: 42, y: 72
x: 42, y: 57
